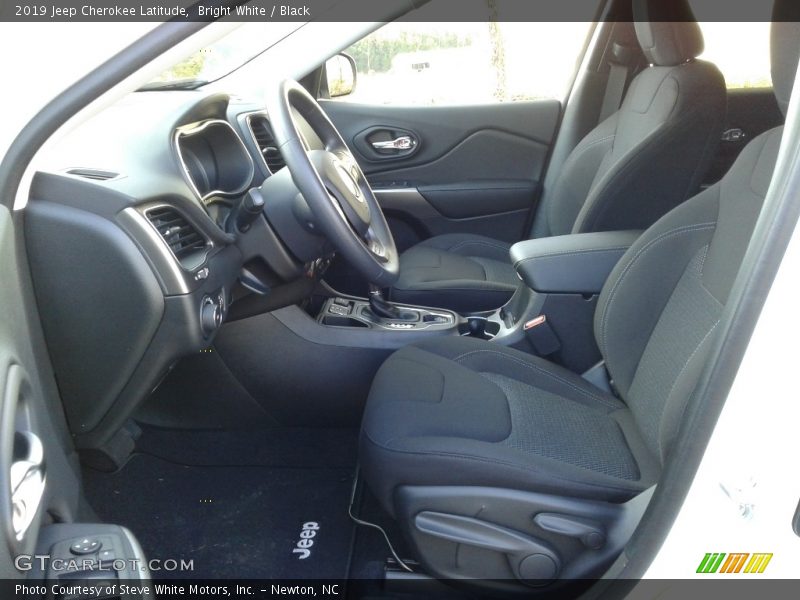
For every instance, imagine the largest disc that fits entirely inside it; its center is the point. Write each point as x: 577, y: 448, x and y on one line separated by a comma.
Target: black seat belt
x: 620, y: 65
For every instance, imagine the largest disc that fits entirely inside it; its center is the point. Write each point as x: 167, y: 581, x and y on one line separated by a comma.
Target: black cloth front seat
x: 630, y: 170
x: 465, y: 412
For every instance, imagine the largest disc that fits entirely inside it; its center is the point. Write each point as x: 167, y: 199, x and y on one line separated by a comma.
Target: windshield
x: 224, y: 56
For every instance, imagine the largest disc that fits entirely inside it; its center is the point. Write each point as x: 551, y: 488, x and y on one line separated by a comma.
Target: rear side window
x: 740, y: 51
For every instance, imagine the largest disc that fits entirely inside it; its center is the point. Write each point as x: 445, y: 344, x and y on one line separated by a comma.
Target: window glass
x: 466, y: 63
x: 740, y: 51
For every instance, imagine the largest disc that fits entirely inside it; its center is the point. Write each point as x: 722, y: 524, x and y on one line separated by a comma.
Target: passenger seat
x: 634, y: 167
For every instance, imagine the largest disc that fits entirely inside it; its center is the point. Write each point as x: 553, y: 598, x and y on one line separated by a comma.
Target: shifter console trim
x: 357, y: 313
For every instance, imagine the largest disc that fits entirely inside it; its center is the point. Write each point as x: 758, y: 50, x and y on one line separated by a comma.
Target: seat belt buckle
x: 541, y: 336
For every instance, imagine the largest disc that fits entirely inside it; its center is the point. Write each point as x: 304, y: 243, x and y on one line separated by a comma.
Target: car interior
x: 429, y: 348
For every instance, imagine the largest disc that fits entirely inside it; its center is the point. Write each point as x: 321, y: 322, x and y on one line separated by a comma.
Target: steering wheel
x: 333, y: 185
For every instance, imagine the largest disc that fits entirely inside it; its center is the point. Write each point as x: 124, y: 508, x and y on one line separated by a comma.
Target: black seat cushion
x: 458, y: 410
x: 456, y: 271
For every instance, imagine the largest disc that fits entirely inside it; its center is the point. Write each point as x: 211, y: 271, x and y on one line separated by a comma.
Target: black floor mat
x: 273, y: 447
x: 234, y: 521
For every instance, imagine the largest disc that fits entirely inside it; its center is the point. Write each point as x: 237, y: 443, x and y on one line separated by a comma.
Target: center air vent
x: 262, y: 133
x: 187, y: 244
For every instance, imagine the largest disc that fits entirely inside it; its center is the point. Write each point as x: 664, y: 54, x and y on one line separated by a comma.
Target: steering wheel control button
x: 85, y: 546
x: 378, y: 250
x: 201, y: 274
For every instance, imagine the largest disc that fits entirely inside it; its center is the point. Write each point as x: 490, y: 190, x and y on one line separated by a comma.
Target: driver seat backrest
x: 652, y: 153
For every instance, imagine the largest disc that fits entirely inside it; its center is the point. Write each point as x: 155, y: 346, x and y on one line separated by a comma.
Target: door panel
x: 38, y: 471
x: 466, y: 169
x: 464, y: 200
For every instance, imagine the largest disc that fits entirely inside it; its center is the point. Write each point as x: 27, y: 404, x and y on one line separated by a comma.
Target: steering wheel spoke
x: 333, y: 185
x: 376, y: 247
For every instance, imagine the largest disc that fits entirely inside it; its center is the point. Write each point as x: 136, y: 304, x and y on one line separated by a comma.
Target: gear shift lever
x: 381, y: 308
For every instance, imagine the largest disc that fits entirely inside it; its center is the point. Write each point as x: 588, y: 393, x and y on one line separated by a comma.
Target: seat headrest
x: 667, y: 31
x: 785, y: 49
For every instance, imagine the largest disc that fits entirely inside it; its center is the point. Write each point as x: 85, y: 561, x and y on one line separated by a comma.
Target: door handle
x: 27, y: 477
x: 404, y: 142
x: 735, y: 134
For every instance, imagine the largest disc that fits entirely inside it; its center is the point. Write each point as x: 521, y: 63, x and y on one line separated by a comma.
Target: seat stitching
x: 701, y: 277
x: 607, y: 415
x: 626, y: 164
x: 580, y: 150
x: 485, y: 272
x: 761, y: 151
x: 497, y: 246
x: 703, y: 260
x: 573, y: 157
x: 573, y: 253
x: 639, y: 254
x: 510, y: 465
x: 587, y: 393
x: 677, y: 378
x: 484, y: 286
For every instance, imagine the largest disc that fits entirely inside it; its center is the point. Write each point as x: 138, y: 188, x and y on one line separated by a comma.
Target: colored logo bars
x: 719, y: 562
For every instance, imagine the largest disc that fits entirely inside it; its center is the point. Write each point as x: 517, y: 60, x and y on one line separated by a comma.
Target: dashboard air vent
x: 262, y: 132
x: 186, y: 243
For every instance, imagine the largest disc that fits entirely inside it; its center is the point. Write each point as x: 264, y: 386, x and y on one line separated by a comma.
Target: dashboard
x: 214, y: 159
x: 138, y: 251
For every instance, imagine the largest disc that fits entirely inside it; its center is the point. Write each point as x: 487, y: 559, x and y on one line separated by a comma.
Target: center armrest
x: 577, y: 263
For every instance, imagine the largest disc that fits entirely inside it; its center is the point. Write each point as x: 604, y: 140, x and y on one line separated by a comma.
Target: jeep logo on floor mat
x: 306, y: 541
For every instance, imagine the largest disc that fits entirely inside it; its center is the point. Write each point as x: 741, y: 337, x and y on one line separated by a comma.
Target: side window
x: 740, y: 51
x: 408, y: 63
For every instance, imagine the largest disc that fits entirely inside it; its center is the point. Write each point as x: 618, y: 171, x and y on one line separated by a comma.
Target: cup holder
x: 342, y: 321
x: 479, y: 327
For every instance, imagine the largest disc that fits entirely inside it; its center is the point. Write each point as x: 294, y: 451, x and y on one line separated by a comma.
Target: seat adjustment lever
x: 532, y: 560
x: 590, y: 533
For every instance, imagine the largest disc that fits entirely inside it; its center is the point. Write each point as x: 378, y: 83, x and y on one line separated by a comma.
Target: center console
x: 552, y: 314
x: 354, y: 312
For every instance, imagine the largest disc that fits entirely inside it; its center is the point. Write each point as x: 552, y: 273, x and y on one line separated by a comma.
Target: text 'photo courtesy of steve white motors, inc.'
x: 107, y: 590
